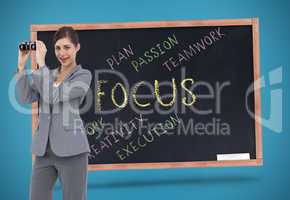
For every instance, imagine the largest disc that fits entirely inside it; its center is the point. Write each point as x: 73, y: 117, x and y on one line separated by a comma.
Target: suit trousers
x: 71, y: 171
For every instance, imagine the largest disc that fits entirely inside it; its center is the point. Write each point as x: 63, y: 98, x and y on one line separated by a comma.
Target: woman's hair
x: 66, y: 31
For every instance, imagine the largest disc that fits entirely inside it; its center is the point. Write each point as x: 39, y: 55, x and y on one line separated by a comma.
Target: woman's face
x: 66, y: 51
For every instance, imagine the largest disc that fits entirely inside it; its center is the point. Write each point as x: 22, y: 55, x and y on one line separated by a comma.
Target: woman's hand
x: 22, y: 59
x: 40, y: 53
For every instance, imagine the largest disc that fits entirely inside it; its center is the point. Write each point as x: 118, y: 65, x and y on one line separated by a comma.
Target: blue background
x: 270, y: 181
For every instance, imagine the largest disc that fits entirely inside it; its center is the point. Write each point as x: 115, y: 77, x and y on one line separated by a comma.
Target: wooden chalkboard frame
x: 254, y: 22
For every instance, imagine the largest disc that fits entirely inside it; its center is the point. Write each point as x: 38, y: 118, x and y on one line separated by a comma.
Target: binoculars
x: 27, y: 46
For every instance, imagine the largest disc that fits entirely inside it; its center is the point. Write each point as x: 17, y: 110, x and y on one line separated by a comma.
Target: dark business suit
x: 60, y: 143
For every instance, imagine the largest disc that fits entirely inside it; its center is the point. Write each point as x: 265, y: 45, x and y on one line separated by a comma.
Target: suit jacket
x: 58, y: 117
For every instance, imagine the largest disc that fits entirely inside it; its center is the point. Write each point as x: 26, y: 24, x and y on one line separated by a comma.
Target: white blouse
x: 56, y: 84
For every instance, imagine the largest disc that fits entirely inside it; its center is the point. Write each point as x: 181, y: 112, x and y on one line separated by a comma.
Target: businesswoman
x: 60, y: 143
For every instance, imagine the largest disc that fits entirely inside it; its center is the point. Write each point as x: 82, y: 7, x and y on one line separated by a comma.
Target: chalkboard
x: 169, y: 94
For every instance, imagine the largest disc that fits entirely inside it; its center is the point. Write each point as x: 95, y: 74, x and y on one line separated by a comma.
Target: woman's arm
x: 29, y: 86
x: 25, y: 92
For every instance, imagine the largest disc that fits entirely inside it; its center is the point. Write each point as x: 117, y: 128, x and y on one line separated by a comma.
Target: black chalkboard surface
x: 169, y: 94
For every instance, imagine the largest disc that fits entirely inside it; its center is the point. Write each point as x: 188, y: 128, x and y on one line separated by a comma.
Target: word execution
x: 153, y: 134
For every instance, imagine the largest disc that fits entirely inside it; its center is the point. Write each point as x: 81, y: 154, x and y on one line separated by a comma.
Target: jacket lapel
x: 72, y: 72
x: 55, y: 72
